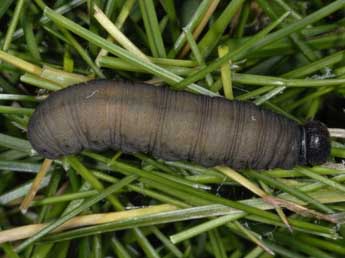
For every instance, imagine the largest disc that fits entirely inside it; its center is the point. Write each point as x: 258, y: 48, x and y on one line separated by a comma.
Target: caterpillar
x: 172, y: 125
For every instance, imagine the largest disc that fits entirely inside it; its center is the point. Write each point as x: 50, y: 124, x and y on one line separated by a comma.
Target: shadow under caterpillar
x: 172, y: 125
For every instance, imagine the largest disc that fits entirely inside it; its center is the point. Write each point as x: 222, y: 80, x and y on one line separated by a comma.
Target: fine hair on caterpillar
x: 172, y: 125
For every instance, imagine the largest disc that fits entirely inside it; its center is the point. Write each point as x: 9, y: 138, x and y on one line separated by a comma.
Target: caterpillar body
x: 172, y: 125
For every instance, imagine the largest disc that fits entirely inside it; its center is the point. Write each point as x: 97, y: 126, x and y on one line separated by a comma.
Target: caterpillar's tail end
x: 317, y: 143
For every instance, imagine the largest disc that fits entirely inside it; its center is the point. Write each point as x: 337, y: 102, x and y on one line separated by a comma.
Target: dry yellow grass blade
x: 241, y: 180
x: 61, y: 77
x: 20, y: 63
x: 118, y: 35
x: 35, y: 185
x: 201, y: 26
x: 255, y: 189
x: 23, y: 232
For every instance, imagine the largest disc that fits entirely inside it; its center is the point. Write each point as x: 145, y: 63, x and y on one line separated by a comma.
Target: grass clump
x: 285, y: 55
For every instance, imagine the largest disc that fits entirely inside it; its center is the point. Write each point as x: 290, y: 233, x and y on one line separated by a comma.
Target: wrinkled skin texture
x: 172, y: 125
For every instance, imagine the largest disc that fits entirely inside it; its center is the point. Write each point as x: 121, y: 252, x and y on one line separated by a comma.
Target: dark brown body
x: 172, y: 125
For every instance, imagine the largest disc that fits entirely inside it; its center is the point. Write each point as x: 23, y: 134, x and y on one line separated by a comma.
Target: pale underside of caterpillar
x: 172, y: 125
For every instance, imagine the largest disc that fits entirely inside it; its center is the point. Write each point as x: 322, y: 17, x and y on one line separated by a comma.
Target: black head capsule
x: 315, y: 145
